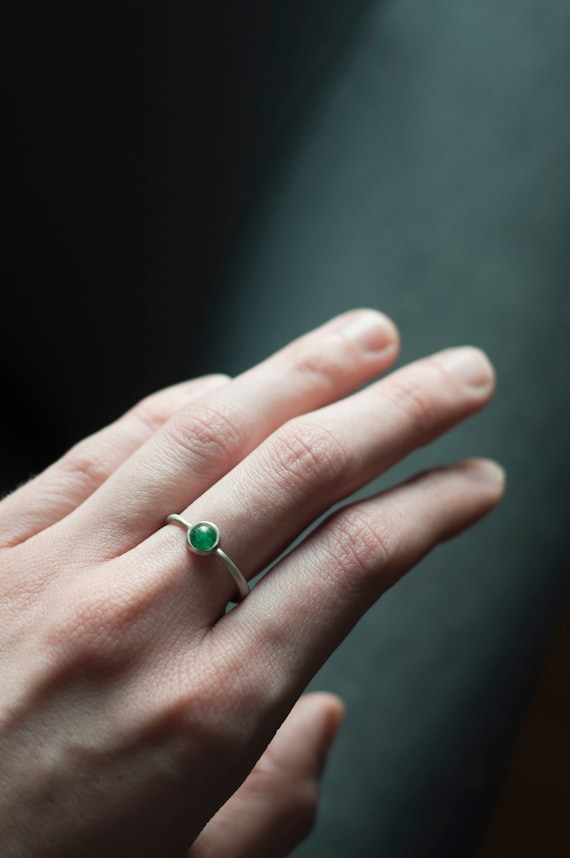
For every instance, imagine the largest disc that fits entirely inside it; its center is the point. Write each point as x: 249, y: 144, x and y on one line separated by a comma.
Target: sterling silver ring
x: 204, y: 538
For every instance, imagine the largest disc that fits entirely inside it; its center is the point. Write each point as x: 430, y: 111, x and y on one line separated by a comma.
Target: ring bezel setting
x: 203, y: 537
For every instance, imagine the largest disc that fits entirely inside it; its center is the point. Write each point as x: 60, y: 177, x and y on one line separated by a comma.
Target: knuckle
x: 207, y: 432
x: 152, y: 412
x: 323, y: 357
x: 297, y: 805
x: 295, y: 799
x: 358, y: 545
x: 197, y: 717
x: 184, y: 711
x: 305, y: 807
x: 18, y: 589
x: 264, y: 688
x: 315, y: 363
x: 307, y: 453
x: 411, y: 396
x: 96, y: 629
x: 86, y: 462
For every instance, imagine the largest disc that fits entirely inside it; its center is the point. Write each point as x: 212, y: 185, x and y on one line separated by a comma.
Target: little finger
x: 67, y: 483
x: 199, y: 445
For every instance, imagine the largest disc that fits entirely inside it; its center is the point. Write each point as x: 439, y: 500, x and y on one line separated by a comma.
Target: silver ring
x: 204, y: 538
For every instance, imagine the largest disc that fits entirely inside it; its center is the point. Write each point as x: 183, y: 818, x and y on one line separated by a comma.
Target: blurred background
x: 187, y: 187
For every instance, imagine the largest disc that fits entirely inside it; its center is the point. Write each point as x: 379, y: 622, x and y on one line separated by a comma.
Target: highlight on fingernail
x: 468, y: 365
x: 370, y: 330
x: 487, y: 471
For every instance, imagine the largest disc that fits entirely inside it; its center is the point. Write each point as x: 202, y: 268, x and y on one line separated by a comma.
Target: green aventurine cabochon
x: 204, y: 537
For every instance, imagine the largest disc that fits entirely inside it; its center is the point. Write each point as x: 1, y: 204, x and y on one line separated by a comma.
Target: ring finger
x: 317, y: 460
x: 202, y: 443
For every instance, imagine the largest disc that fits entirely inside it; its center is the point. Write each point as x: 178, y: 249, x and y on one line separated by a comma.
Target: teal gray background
x: 430, y: 177
x: 208, y: 183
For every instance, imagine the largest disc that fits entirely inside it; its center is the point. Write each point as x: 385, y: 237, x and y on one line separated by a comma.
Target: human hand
x: 133, y: 706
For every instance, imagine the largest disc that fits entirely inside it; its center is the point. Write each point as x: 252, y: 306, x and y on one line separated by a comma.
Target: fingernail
x: 209, y: 382
x: 468, y: 365
x: 487, y: 471
x: 369, y: 330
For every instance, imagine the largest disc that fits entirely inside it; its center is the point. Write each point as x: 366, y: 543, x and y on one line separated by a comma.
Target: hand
x: 133, y: 705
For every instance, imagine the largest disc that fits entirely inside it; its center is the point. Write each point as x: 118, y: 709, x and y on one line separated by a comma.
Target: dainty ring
x: 204, y: 538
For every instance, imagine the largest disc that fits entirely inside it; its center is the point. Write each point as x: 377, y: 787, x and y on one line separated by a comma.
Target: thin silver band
x: 209, y: 536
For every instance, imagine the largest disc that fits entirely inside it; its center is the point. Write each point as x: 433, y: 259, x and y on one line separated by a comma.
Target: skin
x: 137, y: 716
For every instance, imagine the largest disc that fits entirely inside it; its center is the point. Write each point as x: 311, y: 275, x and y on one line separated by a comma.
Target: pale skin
x: 137, y: 718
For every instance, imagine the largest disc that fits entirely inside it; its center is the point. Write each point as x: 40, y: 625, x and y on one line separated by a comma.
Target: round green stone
x: 203, y: 536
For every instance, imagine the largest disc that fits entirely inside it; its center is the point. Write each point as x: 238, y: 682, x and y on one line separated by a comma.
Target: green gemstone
x: 203, y: 536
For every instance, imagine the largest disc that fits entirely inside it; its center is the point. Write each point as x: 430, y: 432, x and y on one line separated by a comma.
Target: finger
x: 275, y: 808
x: 301, y: 611
x: 200, y: 444
x: 72, y: 479
x: 317, y: 460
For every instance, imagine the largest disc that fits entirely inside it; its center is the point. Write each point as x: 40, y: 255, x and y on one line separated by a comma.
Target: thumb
x: 276, y: 806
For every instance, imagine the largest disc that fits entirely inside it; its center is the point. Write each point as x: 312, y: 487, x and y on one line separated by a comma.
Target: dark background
x: 138, y: 135
x: 186, y: 188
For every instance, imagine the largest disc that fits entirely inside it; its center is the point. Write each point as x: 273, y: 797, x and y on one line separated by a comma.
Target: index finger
x: 203, y: 442
x: 309, y: 602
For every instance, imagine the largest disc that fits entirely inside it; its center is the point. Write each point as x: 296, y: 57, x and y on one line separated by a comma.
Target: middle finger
x: 318, y: 459
x: 204, y: 441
